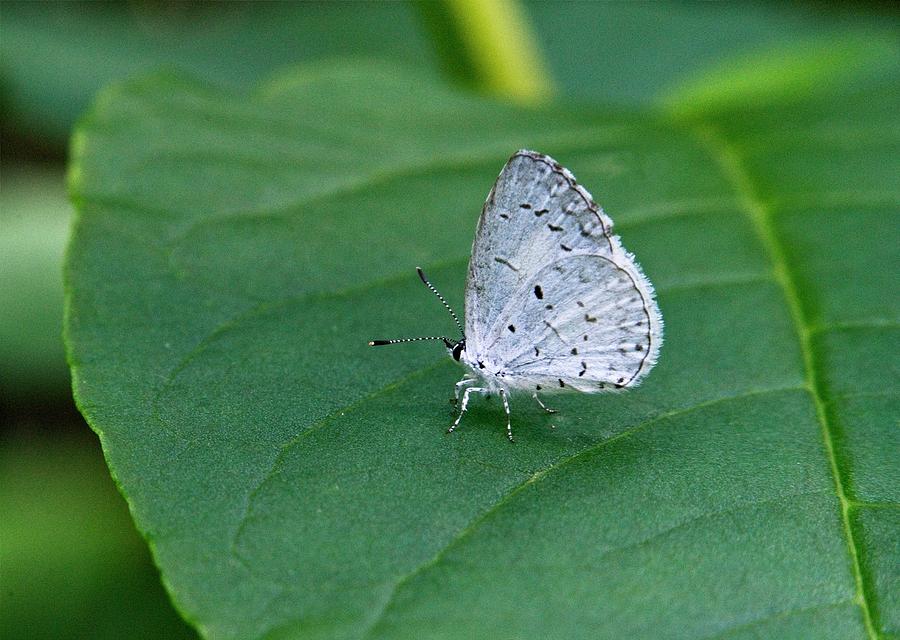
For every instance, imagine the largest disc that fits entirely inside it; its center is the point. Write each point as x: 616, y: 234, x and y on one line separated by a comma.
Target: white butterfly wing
x: 552, y: 298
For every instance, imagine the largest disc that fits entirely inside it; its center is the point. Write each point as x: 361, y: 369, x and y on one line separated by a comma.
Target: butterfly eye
x: 458, y: 349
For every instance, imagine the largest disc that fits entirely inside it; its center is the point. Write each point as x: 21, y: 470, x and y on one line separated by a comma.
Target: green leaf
x: 233, y: 253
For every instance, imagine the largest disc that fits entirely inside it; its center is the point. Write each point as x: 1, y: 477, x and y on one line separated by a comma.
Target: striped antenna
x: 441, y: 298
x: 449, y: 343
x: 378, y: 343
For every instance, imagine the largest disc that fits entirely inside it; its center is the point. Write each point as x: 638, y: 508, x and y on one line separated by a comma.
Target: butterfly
x: 553, y: 302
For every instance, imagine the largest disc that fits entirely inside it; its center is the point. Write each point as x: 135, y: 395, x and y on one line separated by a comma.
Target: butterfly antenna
x: 378, y: 343
x: 441, y: 298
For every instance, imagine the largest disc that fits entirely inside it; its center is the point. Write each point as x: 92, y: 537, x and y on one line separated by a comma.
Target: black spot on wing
x: 525, y: 206
x: 538, y: 292
x: 553, y: 227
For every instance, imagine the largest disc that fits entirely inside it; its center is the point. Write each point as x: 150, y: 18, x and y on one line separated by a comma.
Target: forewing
x: 534, y: 211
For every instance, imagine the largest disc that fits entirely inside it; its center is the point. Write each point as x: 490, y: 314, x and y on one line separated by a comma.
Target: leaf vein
x: 318, y: 424
x: 733, y: 168
x: 353, y: 185
x: 478, y: 520
x: 778, y: 615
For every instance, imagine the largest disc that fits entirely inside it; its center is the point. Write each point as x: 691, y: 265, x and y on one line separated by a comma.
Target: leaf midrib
x: 726, y: 156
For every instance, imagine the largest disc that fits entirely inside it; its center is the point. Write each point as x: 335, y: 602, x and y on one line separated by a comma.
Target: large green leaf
x: 233, y: 253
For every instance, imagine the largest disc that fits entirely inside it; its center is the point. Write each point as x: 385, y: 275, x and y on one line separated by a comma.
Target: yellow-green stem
x: 502, y: 48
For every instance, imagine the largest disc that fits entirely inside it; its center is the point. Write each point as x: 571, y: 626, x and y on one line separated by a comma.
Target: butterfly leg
x: 465, y: 403
x: 543, y: 406
x: 503, y: 397
x: 459, y: 387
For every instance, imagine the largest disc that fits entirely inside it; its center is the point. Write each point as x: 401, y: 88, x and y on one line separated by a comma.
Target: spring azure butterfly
x: 553, y: 301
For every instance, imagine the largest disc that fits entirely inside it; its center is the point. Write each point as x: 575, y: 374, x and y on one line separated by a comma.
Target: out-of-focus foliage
x: 34, y: 219
x: 632, y: 53
x: 56, y: 56
x: 72, y: 564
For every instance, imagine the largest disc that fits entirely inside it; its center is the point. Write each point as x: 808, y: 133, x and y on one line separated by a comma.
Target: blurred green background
x: 72, y: 564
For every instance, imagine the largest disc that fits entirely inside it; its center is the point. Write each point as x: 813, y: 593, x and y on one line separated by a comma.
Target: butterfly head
x: 455, y: 348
